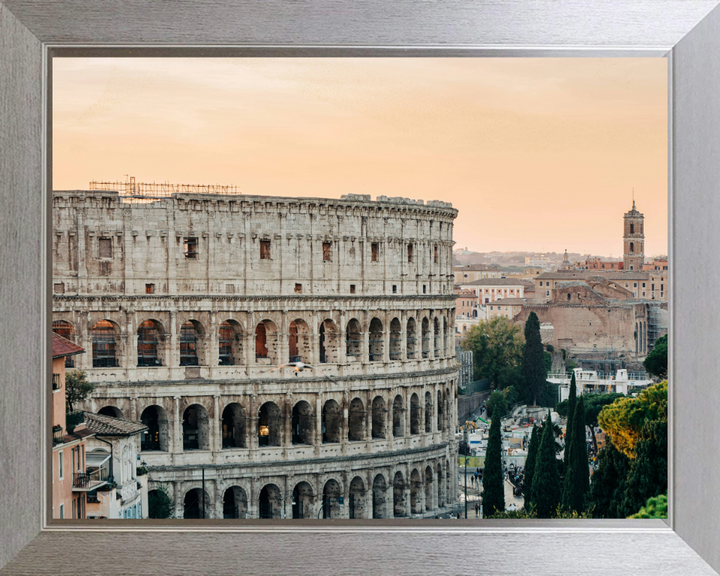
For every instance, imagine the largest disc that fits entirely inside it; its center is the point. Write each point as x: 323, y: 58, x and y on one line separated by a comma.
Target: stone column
x: 345, y: 424
x: 287, y: 432
x: 172, y: 348
x: 386, y: 336
x: 177, y: 428
x: 389, y: 420
x: 179, y: 500
x: 252, y: 427
x: 216, y: 423
x: 318, y: 425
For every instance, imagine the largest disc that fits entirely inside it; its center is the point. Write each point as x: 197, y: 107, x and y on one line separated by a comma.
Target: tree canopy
x: 497, y: 350
x: 530, y: 460
x: 577, y: 476
x: 77, y: 388
x: 497, y: 405
x: 160, y: 504
x: 656, y: 362
x: 493, y: 494
x: 533, y: 362
x: 570, y: 412
x: 545, y: 495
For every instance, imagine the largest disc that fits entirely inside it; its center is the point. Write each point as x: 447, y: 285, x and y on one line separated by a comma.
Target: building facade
x: 190, y: 302
x: 491, y: 289
x: 634, y: 240
x: 472, y: 272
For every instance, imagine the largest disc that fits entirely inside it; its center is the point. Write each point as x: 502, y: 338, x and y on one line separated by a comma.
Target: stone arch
x: 398, y: 417
x: 437, y: 343
x: 230, y: 336
x: 398, y: 495
x: 448, y: 485
x: 269, y: 424
x: 67, y: 331
x: 235, y: 503
x: 303, y: 423
x: 376, y: 340
x: 331, y: 422
x: 157, y: 436
x: 192, y: 343
x: 446, y: 334
x: 353, y: 339
x: 150, y: 343
x: 270, y: 502
x: 331, y: 499
x: 411, y: 338
x: 356, y: 420
x: 112, y: 411
x: 196, y: 428
x: 105, y: 344
x: 299, y: 344
x: 356, y: 498
x: 379, y: 497
x: 439, y: 410
x: 378, y: 417
x: 415, y: 414
x: 233, y: 426
x: 440, y: 491
x: 266, y: 342
x: 303, y: 501
x: 428, y: 412
x: 395, y: 340
x: 428, y: 488
x: 196, y: 504
x: 415, y: 492
x: 425, y: 338
x: 329, y: 341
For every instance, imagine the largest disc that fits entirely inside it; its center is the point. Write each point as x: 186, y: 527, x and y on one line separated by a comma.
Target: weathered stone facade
x: 188, y: 302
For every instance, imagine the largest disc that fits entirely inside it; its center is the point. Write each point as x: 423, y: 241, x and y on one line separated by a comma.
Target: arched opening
x: 398, y: 417
x: 379, y: 497
x: 329, y: 342
x: 425, y: 338
x: 149, y: 335
x: 410, y: 339
x: 428, y: 412
x: 437, y: 342
x: 398, y: 495
x: 448, y: 485
x: 196, y: 428
x: 266, y: 342
x: 233, y: 427
x: 231, y: 339
x: 356, y: 421
x: 378, y: 417
x: 446, y: 335
x: 299, y: 341
x: 440, y: 491
x: 302, y: 423
x: 632, y: 228
x: 439, y: 411
x: 190, y: 334
x: 103, y: 345
x: 196, y: 504
x: 270, y: 502
x: 415, y: 492
x: 415, y: 414
x: 376, y: 340
x: 446, y: 409
x: 112, y: 411
x: 353, y: 338
x: 303, y: 501
x: 395, y: 340
x: 356, y: 497
x: 632, y: 247
x: 331, y: 422
x: 66, y: 330
x: 269, y: 424
x: 428, y: 488
x: 331, y: 499
x: 156, y: 436
x: 235, y: 503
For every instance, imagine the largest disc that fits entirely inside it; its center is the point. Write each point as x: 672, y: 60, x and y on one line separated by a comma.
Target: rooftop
x: 109, y: 426
x: 476, y: 268
x: 63, y: 347
x: 495, y: 282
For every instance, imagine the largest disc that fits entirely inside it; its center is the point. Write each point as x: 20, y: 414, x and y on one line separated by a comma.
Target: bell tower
x: 634, y: 240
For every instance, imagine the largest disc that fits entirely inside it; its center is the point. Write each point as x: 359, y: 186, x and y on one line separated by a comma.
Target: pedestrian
x: 458, y: 515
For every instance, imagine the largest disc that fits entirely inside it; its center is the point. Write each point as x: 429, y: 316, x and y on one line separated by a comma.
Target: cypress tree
x: 647, y: 476
x: 530, y: 462
x: 546, y: 481
x: 493, y: 494
x: 533, y: 361
x: 572, y: 401
x: 577, y: 476
x: 607, y: 489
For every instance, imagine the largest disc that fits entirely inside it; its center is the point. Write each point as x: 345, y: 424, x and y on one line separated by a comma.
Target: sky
x: 537, y: 154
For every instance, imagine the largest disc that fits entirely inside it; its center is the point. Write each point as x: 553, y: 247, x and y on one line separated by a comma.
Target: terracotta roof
x: 477, y: 268
x: 494, y: 282
x: 63, y: 347
x: 586, y: 274
x: 109, y: 426
x: 509, y: 302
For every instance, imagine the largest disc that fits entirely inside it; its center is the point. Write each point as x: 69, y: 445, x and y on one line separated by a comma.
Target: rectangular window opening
x: 105, y: 248
x: 298, y: 288
x: 149, y: 288
x: 352, y: 288
x: 264, y: 249
x: 374, y: 251
x: 191, y: 247
x: 327, y: 252
x: 410, y: 254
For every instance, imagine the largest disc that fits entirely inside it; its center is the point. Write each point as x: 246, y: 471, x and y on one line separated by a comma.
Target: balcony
x: 58, y: 435
x: 56, y: 382
x: 87, y: 481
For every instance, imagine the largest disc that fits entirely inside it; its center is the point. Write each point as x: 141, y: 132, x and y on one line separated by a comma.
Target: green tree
x: 77, y: 388
x: 545, y: 495
x: 656, y: 362
x: 497, y: 350
x: 533, y: 447
x: 656, y: 507
x: 607, y: 488
x: 647, y: 476
x: 497, y: 405
x: 624, y: 419
x: 493, y: 494
x: 533, y: 361
x: 571, y: 402
x: 160, y: 505
x: 577, y: 476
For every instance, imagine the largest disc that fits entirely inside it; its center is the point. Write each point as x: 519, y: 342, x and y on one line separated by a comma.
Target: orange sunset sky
x: 537, y: 154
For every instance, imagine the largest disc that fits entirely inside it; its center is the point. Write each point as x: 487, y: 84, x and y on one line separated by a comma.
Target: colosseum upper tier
x: 187, y: 304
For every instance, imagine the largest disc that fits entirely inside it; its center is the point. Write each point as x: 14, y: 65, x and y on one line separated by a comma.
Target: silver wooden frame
x: 687, y: 32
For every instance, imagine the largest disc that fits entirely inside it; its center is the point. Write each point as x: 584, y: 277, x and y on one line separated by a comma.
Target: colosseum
x: 190, y: 303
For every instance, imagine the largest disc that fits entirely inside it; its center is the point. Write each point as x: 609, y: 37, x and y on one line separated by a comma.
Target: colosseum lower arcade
x: 187, y: 305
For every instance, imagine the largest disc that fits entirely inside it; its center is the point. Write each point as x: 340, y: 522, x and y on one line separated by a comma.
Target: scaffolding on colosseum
x: 141, y: 192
